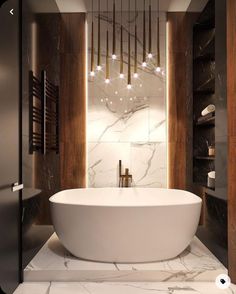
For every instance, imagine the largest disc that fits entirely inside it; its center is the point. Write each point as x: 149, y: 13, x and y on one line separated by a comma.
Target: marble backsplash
x: 127, y: 124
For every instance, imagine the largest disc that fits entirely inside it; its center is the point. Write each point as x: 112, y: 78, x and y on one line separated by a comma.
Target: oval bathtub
x: 125, y: 225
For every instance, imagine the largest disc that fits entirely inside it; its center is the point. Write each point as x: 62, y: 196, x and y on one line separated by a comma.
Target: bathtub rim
x: 196, y: 200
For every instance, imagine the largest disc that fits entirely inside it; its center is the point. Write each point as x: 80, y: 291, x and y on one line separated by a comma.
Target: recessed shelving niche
x: 203, y: 94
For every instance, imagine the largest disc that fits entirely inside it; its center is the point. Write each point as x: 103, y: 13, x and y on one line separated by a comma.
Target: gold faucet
x: 126, y: 179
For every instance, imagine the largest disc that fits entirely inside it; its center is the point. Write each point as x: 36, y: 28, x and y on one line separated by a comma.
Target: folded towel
x: 210, y: 108
x: 212, y: 174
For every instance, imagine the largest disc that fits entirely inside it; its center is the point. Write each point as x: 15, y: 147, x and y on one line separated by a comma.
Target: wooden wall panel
x: 180, y: 98
x: 73, y: 101
x: 231, y: 100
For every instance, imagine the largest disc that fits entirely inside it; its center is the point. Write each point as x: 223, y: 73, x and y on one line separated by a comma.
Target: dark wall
x: 221, y: 134
x: 40, y: 172
x: 210, y: 44
x: 9, y: 146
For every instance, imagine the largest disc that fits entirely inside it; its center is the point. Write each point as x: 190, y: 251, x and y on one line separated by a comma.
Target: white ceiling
x: 165, y: 5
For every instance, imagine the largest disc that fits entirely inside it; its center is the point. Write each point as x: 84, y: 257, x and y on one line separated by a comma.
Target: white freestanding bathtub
x: 125, y: 225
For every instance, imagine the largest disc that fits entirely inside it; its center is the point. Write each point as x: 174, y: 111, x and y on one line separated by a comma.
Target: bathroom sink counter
x: 54, y: 263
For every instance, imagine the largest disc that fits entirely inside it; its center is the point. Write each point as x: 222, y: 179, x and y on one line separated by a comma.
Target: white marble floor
x: 55, y: 263
x: 126, y: 288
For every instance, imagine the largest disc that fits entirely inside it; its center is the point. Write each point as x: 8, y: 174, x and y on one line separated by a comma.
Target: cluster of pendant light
x: 146, y: 54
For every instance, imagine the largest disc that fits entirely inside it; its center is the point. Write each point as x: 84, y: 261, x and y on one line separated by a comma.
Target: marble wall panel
x: 127, y: 124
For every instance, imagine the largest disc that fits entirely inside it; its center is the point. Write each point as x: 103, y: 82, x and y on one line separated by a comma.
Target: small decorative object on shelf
x: 211, y: 150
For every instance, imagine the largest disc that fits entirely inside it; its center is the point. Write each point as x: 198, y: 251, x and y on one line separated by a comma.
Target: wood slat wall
x: 231, y: 100
x: 180, y: 98
x: 73, y: 101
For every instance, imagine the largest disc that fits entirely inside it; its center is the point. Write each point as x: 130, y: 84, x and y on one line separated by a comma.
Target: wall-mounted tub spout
x: 126, y: 179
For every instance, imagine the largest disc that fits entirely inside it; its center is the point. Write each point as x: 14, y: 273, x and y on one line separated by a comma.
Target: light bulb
x: 111, y: 102
x: 122, y: 75
x: 92, y: 73
x: 102, y: 100
x: 149, y: 55
x: 158, y: 69
x: 144, y: 64
x: 107, y: 81
x: 113, y: 56
x: 99, y: 67
x: 131, y: 99
x: 116, y: 92
x: 121, y: 99
x: 129, y: 86
x: 135, y: 75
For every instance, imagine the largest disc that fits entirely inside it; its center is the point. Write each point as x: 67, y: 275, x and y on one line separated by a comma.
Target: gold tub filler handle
x: 126, y: 179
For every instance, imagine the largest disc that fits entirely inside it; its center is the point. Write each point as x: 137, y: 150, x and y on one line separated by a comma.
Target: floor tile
x: 55, y: 263
x: 33, y: 288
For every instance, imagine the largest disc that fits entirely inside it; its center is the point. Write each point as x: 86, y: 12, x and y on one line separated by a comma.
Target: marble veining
x: 55, y: 263
x: 119, y: 119
x: 127, y: 288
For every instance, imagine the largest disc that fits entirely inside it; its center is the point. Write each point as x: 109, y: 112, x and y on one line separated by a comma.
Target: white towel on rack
x: 209, y: 109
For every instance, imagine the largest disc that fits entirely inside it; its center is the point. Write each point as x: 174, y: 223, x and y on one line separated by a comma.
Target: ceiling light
x: 107, y: 81
x: 114, y: 32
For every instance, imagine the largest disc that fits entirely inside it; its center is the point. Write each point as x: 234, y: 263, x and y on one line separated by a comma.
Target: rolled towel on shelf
x: 211, y: 179
x: 209, y: 109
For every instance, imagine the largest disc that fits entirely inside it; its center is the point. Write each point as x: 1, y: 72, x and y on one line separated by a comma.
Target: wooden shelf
x: 205, y: 157
x: 210, y: 191
x: 207, y: 122
x: 207, y: 25
x: 204, y: 92
x: 206, y: 189
x: 205, y: 57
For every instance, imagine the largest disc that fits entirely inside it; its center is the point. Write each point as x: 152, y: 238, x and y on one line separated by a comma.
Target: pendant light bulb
x: 122, y: 75
x: 144, y: 64
x: 158, y: 69
x: 135, y: 75
x: 99, y: 67
x: 113, y: 57
x: 107, y: 81
x: 129, y: 86
x: 92, y: 74
x: 149, y: 55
